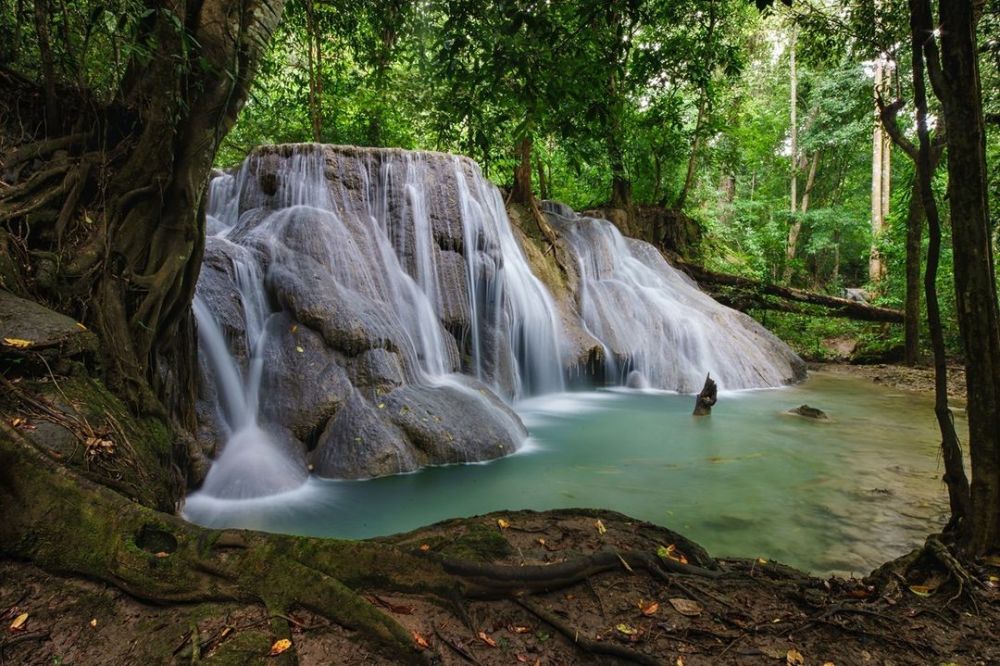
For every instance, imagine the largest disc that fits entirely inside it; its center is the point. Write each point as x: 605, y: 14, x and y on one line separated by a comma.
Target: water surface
x: 840, y: 496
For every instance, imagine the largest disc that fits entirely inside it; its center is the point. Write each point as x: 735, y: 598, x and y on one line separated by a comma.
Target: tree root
x: 584, y: 643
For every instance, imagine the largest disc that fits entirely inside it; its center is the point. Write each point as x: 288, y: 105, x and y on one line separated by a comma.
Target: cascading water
x: 360, y: 310
x: 654, y: 324
x: 380, y: 279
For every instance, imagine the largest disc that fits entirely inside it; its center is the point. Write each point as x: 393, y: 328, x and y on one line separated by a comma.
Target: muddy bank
x: 902, y: 377
x: 750, y: 612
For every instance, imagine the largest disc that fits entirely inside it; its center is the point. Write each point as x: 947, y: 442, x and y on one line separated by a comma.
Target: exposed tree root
x: 585, y: 643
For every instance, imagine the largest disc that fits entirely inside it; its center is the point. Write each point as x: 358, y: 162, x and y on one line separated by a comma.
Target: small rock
x: 809, y: 412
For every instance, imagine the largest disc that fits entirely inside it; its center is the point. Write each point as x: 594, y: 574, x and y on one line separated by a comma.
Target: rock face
x: 345, y: 288
x: 364, y: 309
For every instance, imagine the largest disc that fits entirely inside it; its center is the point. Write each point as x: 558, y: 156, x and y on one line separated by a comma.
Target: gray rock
x: 360, y: 442
x: 303, y: 383
x: 448, y: 423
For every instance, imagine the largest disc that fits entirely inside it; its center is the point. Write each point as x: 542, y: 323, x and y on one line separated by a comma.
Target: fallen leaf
x: 299, y: 349
x: 626, y: 629
x: 671, y: 552
x: 503, y: 523
x: 280, y: 646
x: 518, y: 629
x: 601, y: 529
x: 794, y: 658
x: 680, y: 661
x: 162, y: 554
x: 541, y: 541
x: 18, y: 623
x: 294, y: 328
x: 921, y: 590
x: 648, y: 608
x: 829, y: 663
x: 420, y: 641
x: 425, y: 547
x: 81, y: 326
x: 486, y: 639
x: 686, y: 607
x: 761, y: 560
x: 522, y: 658
x: 93, y: 622
x: 17, y: 343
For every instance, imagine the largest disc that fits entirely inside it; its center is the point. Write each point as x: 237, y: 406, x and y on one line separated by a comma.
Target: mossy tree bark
x: 112, y: 216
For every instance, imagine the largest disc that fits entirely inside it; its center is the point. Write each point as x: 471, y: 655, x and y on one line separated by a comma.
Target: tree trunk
x: 958, y: 86
x: 793, y: 123
x: 796, y: 228
x: 543, y: 186
x: 48, y: 66
x: 880, y: 194
x: 692, y: 164
x: 911, y: 328
x: 522, y: 191
x: 134, y: 269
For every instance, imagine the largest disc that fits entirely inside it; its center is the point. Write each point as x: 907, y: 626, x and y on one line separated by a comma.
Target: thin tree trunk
x: 911, y: 328
x: 875, y: 268
x: 957, y: 483
x: 793, y: 103
x: 958, y: 86
x: 796, y: 228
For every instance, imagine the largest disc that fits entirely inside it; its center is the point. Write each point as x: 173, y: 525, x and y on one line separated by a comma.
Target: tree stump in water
x: 708, y: 397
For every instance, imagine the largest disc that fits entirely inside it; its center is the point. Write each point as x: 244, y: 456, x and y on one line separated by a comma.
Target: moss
x: 483, y: 543
x: 248, y: 647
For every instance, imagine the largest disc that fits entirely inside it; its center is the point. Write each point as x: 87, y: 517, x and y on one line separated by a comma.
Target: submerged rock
x: 809, y: 412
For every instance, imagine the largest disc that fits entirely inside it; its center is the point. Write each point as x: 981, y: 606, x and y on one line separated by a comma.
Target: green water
x: 831, y: 497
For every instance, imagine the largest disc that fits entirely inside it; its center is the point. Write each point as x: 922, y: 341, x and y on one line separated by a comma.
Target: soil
x: 902, y: 377
x: 757, y: 612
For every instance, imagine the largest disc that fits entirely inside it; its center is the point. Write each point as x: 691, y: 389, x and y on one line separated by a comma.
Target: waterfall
x: 364, y: 312
x: 655, y: 326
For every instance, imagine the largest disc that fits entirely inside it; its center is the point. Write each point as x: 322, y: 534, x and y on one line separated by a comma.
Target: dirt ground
x: 755, y: 612
x: 903, y: 377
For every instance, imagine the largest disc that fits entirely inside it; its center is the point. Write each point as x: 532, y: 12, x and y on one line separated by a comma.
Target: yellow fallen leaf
x: 503, y: 523
x: 601, y: 529
x: 425, y: 547
x: 517, y: 629
x: 686, y: 607
x: 794, y: 658
x: 921, y: 590
x: 829, y: 663
x: 679, y: 662
x: 420, y: 641
x: 81, y: 326
x: 93, y: 622
x: 648, y: 607
x: 280, y: 646
x: 626, y: 629
x: 17, y: 343
x: 761, y: 560
x: 18, y: 623
x: 299, y: 349
x: 484, y: 637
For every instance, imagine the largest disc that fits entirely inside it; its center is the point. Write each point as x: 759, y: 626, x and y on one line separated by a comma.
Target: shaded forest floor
x: 758, y: 612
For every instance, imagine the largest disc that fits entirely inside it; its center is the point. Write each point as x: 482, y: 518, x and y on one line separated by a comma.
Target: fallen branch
x: 753, y: 294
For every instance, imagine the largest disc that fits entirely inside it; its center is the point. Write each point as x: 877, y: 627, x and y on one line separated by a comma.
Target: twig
x: 42, y: 635
x: 462, y: 652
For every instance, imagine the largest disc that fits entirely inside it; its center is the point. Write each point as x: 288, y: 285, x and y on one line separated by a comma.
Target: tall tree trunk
x: 793, y: 104
x: 911, y: 327
x: 803, y: 208
x: 881, y: 152
x: 958, y: 86
x: 957, y: 483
